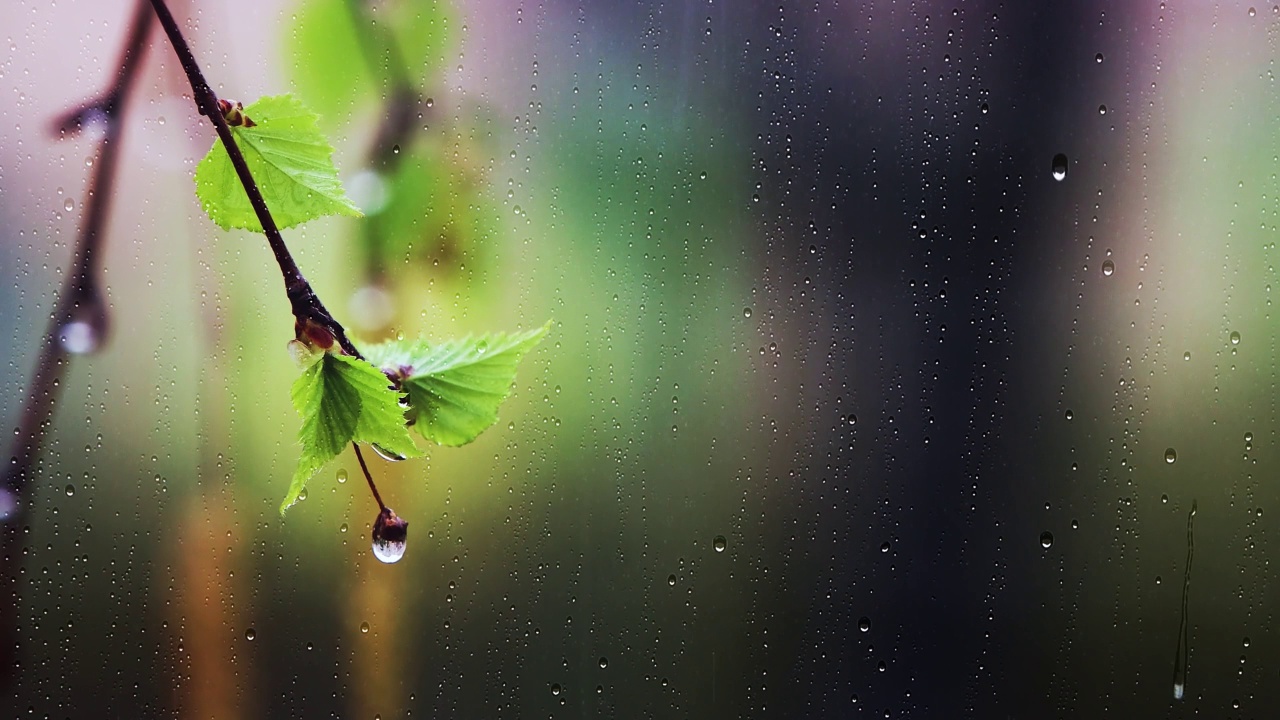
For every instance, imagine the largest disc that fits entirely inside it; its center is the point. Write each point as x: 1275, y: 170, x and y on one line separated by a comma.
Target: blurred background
x: 892, y: 344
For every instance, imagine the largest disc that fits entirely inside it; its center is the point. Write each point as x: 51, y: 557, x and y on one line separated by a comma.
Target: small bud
x: 233, y: 113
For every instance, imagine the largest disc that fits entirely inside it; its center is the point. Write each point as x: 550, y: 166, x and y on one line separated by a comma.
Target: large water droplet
x: 1235, y: 338
x: 604, y: 661
x: 864, y: 623
x: 250, y: 634
x: 342, y: 475
x: 1108, y: 268
x: 371, y: 308
x: 1059, y: 167
x: 390, y: 532
x: 719, y: 543
x: 8, y: 504
x: 85, y: 329
x: 1170, y: 456
x: 386, y: 454
x: 368, y: 191
x: 1046, y: 539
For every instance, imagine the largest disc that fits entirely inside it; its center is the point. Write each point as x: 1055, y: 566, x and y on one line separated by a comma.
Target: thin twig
x: 79, y: 294
x: 80, y: 289
x: 308, y: 311
x: 369, y: 478
x: 382, y: 53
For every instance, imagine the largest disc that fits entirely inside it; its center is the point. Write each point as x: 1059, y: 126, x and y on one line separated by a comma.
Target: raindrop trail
x: 1180, y: 653
x: 369, y: 478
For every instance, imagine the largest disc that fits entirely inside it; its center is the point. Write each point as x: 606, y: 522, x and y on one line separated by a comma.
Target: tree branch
x: 80, y: 298
x: 312, y: 319
x: 79, y: 301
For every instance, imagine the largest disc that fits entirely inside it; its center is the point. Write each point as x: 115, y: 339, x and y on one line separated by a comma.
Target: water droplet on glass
x: 1102, y: 109
x: 555, y: 689
x: 1248, y: 437
x: 1170, y: 456
x: 1235, y: 338
x: 1186, y: 355
x: 386, y: 454
x: 746, y: 312
x: 1046, y: 539
x: 342, y: 528
x: 364, y: 627
x: 671, y: 579
x: 884, y: 546
x: 1164, y: 498
x: 719, y: 543
x: 395, y: 149
x: 68, y: 204
x: 1070, y: 415
x: 1097, y: 58
x: 390, y: 532
x: 1059, y: 167
x: 985, y: 108
x: 71, y: 490
x: 342, y: 475
x: 302, y: 494
x: 864, y: 623
x: 1108, y: 268
x: 604, y: 661
x: 250, y: 634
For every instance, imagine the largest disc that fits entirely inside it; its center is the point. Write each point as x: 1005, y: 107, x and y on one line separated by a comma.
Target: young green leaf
x: 290, y: 161
x: 343, y: 400
x: 455, y: 388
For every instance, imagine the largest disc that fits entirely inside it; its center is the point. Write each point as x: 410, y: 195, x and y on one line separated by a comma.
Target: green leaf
x: 290, y: 162
x: 328, y: 52
x: 455, y: 387
x: 343, y: 400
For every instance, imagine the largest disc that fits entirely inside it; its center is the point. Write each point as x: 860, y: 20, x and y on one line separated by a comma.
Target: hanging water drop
x: 390, y: 532
x: 1170, y: 456
x: 1235, y: 338
x: 85, y: 328
x: 342, y: 475
x: 1108, y: 268
x: 386, y: 454
x: 719, y: 543
x: 1046, y: 539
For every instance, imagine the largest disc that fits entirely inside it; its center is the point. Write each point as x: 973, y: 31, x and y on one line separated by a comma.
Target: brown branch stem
x: 80, y: 292
x: 369, y: 478
x: 308, y: 311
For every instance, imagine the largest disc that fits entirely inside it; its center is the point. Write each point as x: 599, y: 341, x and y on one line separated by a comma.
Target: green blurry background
x: 815, y: 291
